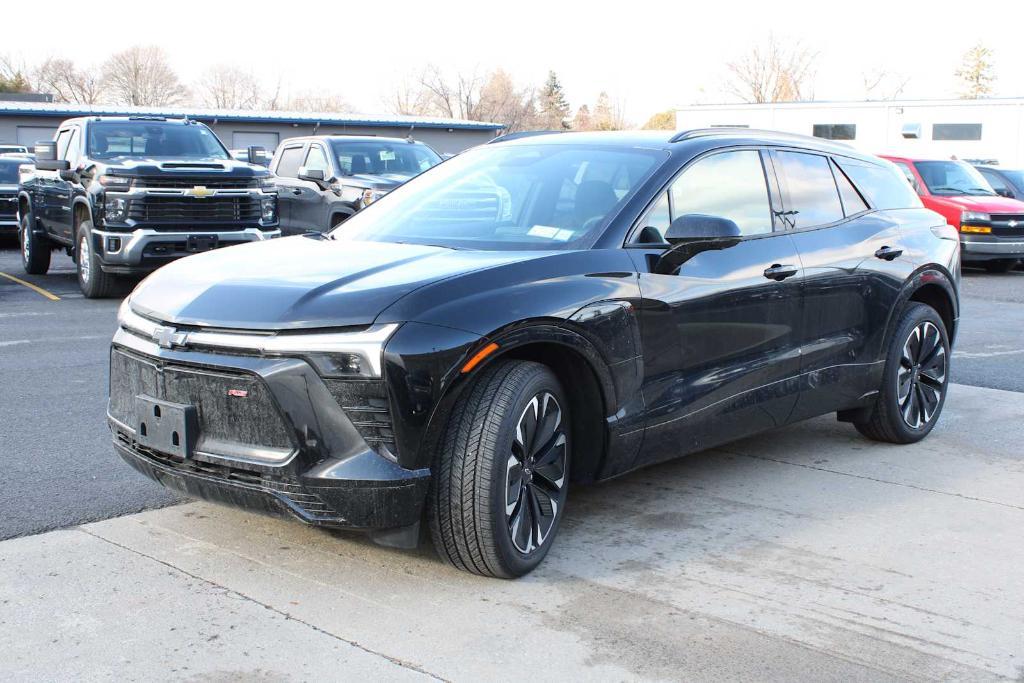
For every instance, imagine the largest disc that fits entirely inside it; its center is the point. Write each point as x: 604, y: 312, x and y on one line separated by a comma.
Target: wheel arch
x: 932, y: 287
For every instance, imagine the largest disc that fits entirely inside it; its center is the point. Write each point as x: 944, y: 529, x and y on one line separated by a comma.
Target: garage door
x: 30, y: 135
x: 267, y: 141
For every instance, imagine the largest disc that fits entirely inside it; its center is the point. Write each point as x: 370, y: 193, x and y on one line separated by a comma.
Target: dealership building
x: 26, y: 123
x: 990, y: 130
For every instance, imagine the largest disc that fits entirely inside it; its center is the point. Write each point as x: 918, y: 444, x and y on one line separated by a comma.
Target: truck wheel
x: 35, y: 250
x: 94, y: 283
x: 498, y: 491
x: 914, y: 380
x: 1002, y: 265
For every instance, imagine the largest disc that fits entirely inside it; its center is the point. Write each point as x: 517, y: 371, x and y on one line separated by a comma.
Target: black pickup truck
x: 124, y: 195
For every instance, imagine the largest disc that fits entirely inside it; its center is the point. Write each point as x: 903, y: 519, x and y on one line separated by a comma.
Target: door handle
x: 780, y: 272
x: 888, y: 253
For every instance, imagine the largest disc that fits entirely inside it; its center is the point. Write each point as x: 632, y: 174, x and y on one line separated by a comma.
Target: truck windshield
x: 952, y: 178
x: 147, y: 139
x: 509, y: 197
x: 383, y: 158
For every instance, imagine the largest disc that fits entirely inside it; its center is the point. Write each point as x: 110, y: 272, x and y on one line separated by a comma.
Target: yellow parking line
x: 37, y: 290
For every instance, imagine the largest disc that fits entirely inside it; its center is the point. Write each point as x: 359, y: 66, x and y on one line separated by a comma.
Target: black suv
x: 556, y: 309
x: 9, y: 169
x: 325, y: 179
x: 124, y: 195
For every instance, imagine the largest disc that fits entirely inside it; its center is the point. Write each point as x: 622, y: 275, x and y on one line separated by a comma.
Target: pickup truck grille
x: 1007, y: 225
x: 8, y: 206
x: 175, y: 210
x: 209, y: 182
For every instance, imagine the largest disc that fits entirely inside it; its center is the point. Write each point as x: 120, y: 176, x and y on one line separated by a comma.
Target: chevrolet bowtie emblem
x: 168, y: 337
x: 1013, y: 224
x: 200, y: 191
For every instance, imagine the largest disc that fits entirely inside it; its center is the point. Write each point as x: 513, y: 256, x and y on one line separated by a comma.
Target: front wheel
x: 915, y: 379
x: 498, y: 492
x: 94, y: 283
x: 35, y: 250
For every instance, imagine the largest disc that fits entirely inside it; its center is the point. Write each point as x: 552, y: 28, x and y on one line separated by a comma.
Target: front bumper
x: 301, y: 454
x: 987, y: 247
x: 9, y: 226
x: 146, y: 249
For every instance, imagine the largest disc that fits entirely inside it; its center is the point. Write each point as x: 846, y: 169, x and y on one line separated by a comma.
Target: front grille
x: 209, y: 182
x: 365, y: 402
x: 228, y: 425
x: 1001, y: 224
x: 233, y: 211
x: 8, y: 206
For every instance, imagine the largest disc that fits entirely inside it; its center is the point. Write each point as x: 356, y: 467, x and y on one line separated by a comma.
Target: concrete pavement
x: 804, y: 553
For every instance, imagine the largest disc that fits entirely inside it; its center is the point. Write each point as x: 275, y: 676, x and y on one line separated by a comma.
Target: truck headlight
x: 268, y: 213
x: 268, y: 183
x: 115, y: 183
x: 974, y: 217
x: 116, y: 209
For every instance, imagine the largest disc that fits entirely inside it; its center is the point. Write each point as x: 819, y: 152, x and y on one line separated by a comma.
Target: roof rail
x: 740, y: 130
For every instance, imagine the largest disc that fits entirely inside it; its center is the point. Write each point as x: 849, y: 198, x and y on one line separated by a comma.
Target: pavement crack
x: 231, y: 591
x: 874, y: 479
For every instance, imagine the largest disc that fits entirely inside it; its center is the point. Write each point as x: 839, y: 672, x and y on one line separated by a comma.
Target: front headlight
x: 116, y: 209
x: 268, y: 213
x: 115, y: 183
x: 974, y: 217
x: 268, y: 183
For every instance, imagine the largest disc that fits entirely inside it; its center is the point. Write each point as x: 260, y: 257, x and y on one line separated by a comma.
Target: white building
x: 989, y: 129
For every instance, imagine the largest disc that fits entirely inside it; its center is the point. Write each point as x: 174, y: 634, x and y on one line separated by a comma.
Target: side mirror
x: 698, y: 227
x: 313, y: 175
x: 46, y: 157
x: 257, y: 155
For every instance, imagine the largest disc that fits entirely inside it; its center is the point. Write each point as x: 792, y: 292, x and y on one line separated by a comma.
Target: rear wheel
x: 94, y: 283
x: 498, y: 492
x: 915, y: 379
x: 1002, y: 265
x: 35, y: 250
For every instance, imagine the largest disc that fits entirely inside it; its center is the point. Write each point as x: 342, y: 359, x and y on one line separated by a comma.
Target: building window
x: 835, y: 131
x: 956, y: 131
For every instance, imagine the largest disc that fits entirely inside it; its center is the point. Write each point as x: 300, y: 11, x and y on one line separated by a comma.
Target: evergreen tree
x: 582, y: 119
x: 553, y: 106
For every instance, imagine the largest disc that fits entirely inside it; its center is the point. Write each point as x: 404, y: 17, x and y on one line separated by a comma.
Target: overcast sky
x: 649, y: 55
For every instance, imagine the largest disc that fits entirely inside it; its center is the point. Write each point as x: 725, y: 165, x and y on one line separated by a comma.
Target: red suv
x: 991, y: 227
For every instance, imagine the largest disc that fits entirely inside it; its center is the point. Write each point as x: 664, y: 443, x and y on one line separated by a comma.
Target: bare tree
x: 772, y: 73
x: 228, y: 87
x: 14, y: 74
x: 607, y: 114
x: 67, y: 83
x: 582, y: 119
x: 502, y: 101
x: 141, y: 75
x: 457, y: 97
x: 976, y: 74
x: 317, y: 101
x: 880, y: 84
x: 409, y: 99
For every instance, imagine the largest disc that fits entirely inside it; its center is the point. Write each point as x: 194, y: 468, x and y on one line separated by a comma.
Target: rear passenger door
x: 286, y: 169
x: 853, y: 273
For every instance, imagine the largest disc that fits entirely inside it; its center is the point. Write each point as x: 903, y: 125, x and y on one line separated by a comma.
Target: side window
x: 63, y: 138
x: 316, y: 160
x: 728, y: 184
x: 813, y: 197
x: 883, y: 184
x: 657, y: 220
x: 909, y: 175
x: 291, y: 159
x: 997, y: 183
x: 853, y: 203
x: 73, y: 151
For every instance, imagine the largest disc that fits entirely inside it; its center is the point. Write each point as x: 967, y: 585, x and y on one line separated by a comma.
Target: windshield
x: 952, y: 178
x: 383, y: 158
x: 1016, y: 177
x: 508, y: 197
x: 9, y: 172
x: 145, y: 139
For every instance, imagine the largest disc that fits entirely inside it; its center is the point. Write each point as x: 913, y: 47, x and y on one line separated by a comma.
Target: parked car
x: 325, y: 179
x: 9, y: 167
x: 13, y: 149
x: 125, y: 195
x: 1005, y: 182
x: 563, y: 308
x: 991, y: 227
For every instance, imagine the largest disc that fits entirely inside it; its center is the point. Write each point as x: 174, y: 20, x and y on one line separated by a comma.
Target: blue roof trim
x: 206, y: 115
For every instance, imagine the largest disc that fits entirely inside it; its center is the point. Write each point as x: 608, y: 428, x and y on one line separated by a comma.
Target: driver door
x: 720, y: 332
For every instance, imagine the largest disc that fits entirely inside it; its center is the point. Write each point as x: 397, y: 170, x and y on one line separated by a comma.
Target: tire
x: 1002, y: 265
x: 916, y: 374
x: 35, y: 250
x: 94, y: 283
x: 480, y: 467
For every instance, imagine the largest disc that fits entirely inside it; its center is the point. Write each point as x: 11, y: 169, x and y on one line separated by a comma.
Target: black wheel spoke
x: 921, y: 376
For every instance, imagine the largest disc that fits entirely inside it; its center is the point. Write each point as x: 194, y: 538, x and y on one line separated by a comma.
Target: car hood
x: 300, y: 282
x: 156, y: 166
x: 986, y: 204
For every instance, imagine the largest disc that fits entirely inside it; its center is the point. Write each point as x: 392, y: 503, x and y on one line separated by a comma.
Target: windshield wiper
x: 982, y: 190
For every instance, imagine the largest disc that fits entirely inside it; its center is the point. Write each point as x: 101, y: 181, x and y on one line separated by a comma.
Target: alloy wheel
x: 26, y: 245
x: 921, y: 378
x: 535, y: 473
x: 84, y: 262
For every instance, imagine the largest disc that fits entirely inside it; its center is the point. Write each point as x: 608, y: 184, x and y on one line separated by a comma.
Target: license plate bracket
x: 165, y: 426
x: 198, y: 243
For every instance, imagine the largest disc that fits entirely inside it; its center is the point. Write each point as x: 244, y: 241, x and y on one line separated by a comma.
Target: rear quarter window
x: 883, y: 185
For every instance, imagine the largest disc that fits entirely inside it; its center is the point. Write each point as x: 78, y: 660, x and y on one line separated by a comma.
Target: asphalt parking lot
x: 804, y: 549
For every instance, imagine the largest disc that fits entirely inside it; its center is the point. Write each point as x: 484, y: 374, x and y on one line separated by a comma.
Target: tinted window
x: 63, y: 138
x: 658, y: 218
x: 994, y: 180
x: 385, y: 157
x: 730, y: 185
x: 853, y: 203
x: 835, y: 131
x: 291, y: 159
x: 108, y: 139
x: 316, y: 160
x: 813, y: 198
x: 956, y: 131
x: 509, y: 197
x: 883, y: 185
x: 72, y: 153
